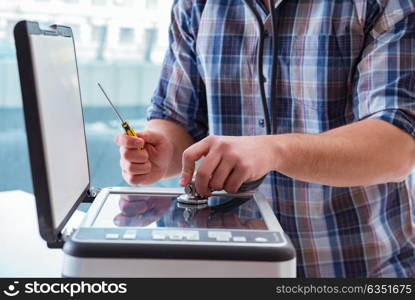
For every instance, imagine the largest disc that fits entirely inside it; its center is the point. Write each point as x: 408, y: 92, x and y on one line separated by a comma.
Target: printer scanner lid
x: 54, y: 123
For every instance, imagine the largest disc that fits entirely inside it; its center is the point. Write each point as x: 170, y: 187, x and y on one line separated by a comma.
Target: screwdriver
x: 128, y: 130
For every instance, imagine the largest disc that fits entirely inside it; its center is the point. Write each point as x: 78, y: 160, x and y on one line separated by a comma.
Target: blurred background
x: 120, y: 43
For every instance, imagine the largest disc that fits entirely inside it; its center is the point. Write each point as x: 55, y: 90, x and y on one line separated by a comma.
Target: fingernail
x: 183, y: 179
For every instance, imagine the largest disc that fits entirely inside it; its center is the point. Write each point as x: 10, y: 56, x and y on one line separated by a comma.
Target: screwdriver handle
x: 129, y: 131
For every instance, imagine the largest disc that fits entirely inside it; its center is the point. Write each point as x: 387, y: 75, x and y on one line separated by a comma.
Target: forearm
x: 179, y: 138
x: 364, y: 153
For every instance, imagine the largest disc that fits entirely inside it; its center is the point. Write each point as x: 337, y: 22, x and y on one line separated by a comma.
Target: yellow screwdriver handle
x: 129, y: 131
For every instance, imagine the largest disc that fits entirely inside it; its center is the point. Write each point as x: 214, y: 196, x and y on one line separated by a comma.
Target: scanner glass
x: 153, y: 211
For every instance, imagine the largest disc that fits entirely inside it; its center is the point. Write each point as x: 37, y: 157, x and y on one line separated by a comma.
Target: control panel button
x: 261, y: 240
x: 175, y: 236
x: 192, y: 236
x: 220, y: 234
x: 239, y: 239
x: 112, y: 236
x: 130, y: 235
x: 223, y: 238
x: 158, y: 235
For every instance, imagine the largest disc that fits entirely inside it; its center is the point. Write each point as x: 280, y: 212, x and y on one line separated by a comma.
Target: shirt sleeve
x: 180, y: 95
x: 384, y: 86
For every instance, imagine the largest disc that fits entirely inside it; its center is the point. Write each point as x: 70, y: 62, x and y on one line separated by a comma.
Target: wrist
x: 173, y: 166
x: 279, y: 147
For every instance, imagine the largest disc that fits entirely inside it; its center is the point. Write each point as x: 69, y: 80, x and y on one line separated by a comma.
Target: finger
x: 132, y: 208
x: 235, y: 180
x: 132, y: 197
x: 204, y: 173
x: 121, y: 220
x: 137, y: 220
x: 130, y: 142
x: 161, y: 203
x: 220, y: 174
x: 134, y: 155
x: 134, y: 168
x: 190, y: 156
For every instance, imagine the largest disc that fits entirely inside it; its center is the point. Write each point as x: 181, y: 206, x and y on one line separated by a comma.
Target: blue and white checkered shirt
x: 339, y: 61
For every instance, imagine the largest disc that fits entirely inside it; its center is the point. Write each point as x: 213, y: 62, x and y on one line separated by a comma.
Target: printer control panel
x: 179, y: 235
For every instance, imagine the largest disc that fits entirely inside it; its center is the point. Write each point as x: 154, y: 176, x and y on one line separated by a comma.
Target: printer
x: 128, y: 231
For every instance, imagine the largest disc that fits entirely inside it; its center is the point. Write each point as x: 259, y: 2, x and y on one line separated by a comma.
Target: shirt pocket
x: 319, y: 70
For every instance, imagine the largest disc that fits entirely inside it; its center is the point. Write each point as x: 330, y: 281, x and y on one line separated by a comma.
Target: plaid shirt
x: 339, y: 61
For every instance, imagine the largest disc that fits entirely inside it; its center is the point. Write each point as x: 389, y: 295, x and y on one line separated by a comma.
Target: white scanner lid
x: 54, y: 122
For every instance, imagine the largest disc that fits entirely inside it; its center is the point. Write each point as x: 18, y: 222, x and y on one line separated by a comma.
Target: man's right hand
x: 143, y: 167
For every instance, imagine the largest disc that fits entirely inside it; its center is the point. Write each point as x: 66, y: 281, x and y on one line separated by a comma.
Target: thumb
x: 152, y: 137
x: 190, y: 156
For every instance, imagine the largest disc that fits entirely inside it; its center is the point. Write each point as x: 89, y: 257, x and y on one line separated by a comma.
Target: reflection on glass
x: 127, y: 210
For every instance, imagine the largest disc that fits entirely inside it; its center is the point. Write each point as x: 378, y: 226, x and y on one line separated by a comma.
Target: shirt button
x: 266, y: 33
x: 261, y: 123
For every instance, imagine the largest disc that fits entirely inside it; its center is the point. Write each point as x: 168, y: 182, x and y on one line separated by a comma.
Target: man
x: 339, y: 166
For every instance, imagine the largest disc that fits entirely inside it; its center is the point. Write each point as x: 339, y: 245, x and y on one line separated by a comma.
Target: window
x: 121, y: 50
x: 124, y: 3
x: 98, y: 33
x: 151, y: 4
x: 150, y: 41
x: 126, y: 35
x: 99, y: 2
